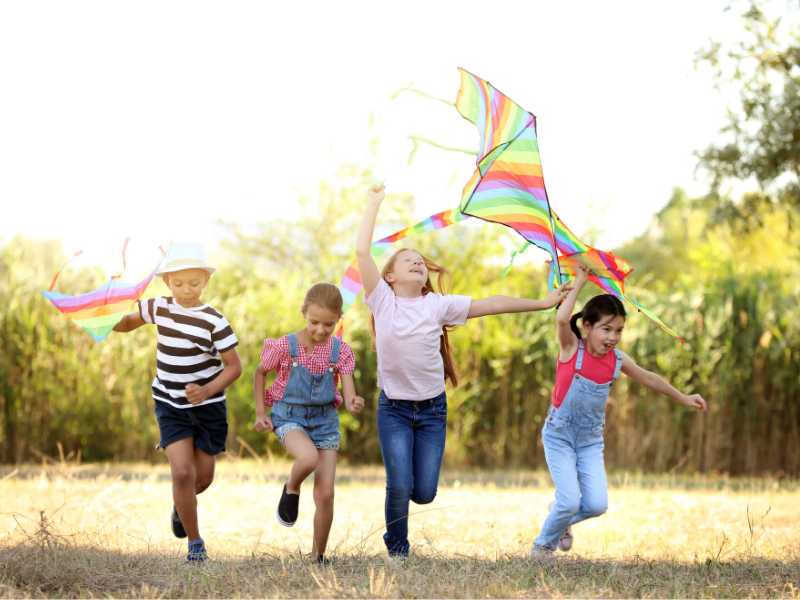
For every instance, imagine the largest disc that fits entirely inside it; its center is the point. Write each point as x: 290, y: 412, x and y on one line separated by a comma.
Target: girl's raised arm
x: 566, y: 338
x: 366, y: 264
x: 660, y: 385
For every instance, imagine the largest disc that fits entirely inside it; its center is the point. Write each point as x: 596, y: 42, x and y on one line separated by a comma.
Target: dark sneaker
x: 197, y: 552
x: 287, y: 508
x: 177, y: 526
x: 322, y: 561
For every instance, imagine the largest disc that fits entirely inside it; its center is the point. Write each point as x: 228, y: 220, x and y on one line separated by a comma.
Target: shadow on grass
x: 47, y: 565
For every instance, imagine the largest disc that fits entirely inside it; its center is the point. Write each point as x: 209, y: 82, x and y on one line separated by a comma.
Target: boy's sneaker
x: 177, y: 526
x: 197, y: 551
x: 565, y: 543
x: 541, y: 554
x: 287, y: 508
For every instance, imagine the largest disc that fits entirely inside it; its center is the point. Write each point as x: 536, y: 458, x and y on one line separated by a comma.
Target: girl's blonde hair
x: 441, y: 277
x: 325, y: 295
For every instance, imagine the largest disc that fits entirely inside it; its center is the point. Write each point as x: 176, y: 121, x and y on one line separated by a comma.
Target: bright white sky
x: 155, y: 119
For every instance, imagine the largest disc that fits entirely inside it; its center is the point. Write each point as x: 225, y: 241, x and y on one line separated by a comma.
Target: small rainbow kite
x: 99, y: 310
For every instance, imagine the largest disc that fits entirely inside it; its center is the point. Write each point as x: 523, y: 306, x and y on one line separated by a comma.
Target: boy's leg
x: 204, y: 464
x: 305, y: 455
x: 324, y: 476
x: 182, y: 466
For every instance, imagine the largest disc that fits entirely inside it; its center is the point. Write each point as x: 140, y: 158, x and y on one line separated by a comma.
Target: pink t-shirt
x: 408, y: 332
x: 599, y: 370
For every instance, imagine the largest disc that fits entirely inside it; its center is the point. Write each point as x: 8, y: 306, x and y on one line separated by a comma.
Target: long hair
x: 441, y: 278
x: 604, y: 305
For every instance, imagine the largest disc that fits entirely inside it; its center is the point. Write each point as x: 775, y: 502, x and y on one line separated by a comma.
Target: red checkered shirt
x: 275, y: 356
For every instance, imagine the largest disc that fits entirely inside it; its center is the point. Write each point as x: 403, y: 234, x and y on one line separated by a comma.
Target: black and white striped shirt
x: 190, y: 341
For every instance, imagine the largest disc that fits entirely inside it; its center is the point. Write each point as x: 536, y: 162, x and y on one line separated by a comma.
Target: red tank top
x: 599, y: 370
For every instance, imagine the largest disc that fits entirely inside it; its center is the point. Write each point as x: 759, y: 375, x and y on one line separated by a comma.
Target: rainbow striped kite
x: 99, y: 310
x: 508, y: 188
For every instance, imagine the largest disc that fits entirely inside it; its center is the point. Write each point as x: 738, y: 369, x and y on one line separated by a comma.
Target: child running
x: 304, y: 398
x: 196, y: 360
x: 414, y: 360
x: 588, y: 364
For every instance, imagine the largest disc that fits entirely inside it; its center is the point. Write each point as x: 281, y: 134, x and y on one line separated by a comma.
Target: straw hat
x: 184, y: 256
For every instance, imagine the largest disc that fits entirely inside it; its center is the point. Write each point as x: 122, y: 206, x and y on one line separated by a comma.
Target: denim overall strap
x: 335, y: 349
x: 618, y: 365
x: 293, y: 348
x: 579, y: 360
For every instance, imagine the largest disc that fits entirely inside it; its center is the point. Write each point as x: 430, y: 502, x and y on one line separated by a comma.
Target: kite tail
x: 64, y: 266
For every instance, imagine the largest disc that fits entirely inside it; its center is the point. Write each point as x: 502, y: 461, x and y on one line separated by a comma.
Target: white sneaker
x: 565, y: 543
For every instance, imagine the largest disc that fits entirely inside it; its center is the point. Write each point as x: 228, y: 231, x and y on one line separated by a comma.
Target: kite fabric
x: 508, y: 188
x: 98, y: 311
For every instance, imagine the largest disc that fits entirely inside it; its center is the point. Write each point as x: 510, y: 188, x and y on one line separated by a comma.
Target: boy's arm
x: 497, y: 305
x: 660, y: 385
x: 230, y: 373
x: 366, y: 264
x: 129, y: 322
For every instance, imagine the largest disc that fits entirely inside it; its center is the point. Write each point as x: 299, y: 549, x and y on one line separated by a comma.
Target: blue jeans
x: 412, y: 436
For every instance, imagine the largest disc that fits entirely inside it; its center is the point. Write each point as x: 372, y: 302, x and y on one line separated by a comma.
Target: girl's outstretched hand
x: 581, y: 274
x: 355, y: 404
x: 376, y: 193
x: 555, y: 296
x: 695, y: 401
x: 263, y: 424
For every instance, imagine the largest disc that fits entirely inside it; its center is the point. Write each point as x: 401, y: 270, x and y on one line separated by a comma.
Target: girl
x: 304, y: 398
x: 572, y: 434
x: 413, y: 362
x: 196, y: 360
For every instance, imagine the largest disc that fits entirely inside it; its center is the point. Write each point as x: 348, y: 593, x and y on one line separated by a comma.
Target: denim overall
x: 308, y: 401
x: 573, y: 447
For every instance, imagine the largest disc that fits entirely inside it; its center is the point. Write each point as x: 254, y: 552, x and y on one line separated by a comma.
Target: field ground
x: 103, y: 530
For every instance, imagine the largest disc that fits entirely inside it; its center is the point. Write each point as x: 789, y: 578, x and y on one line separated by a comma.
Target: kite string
x: 64, y: 266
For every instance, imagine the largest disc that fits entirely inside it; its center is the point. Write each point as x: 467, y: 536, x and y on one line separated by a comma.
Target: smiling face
x: 604, y: 335
x: 187, y: 286
x: 320, y: 323
x: 408, y: 268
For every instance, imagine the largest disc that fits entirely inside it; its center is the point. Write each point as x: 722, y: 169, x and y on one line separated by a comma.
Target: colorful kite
x: 99, y: 310
x: 508, y: 188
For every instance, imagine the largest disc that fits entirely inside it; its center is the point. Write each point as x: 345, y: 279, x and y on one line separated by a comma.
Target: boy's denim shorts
x: 321, y: 423
x: 206, y: 424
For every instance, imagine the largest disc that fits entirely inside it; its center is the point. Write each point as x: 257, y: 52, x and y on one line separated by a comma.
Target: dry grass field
x: 71, y: 530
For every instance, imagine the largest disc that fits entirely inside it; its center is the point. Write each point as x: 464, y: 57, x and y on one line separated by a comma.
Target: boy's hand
x: 196, y: 393
x: 376, y: 193
x: 355, y: 404
x: 695, y: 401
x: 555, y: 296
x: 263, y: 423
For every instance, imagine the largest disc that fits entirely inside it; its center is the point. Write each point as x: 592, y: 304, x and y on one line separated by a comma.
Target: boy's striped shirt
x: 190, y: 341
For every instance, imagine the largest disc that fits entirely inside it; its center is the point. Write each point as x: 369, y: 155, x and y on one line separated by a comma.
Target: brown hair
x: 441, y: 277
x: 325, y: 295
